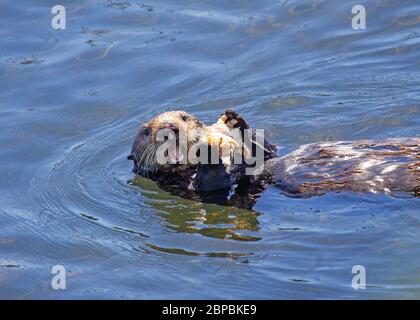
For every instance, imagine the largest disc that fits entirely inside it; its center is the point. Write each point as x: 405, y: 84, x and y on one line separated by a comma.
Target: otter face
x: 172, y: 125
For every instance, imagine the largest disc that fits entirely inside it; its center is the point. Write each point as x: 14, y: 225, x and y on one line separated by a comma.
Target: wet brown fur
x: 389, y: 166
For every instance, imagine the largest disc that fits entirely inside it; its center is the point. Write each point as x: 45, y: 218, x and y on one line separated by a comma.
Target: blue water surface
x: 70, y: 104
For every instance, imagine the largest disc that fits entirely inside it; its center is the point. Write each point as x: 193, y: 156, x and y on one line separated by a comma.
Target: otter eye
x: 146, y: 131
x: 184, y: 117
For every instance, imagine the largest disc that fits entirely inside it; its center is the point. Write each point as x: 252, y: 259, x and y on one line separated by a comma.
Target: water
x: 72, y: 100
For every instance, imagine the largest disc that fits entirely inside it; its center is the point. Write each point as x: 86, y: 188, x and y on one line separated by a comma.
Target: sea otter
x: 391, y: 166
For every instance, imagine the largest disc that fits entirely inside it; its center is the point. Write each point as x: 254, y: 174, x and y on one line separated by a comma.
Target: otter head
x: 174, y: 127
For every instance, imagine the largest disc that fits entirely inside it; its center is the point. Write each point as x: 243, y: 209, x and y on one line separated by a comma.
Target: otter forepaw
x: 224, y: 145
x: 233, y: 120
x: 227, y: 147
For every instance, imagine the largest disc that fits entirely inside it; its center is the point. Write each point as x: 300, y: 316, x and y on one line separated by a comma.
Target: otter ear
x: 130, y: 157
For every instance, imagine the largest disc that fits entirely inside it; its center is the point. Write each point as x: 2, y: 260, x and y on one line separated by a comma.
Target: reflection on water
x: 194, y: 217
x: 72, y: 100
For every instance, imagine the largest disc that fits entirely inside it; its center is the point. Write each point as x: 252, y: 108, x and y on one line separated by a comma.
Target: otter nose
x: 170, y: 126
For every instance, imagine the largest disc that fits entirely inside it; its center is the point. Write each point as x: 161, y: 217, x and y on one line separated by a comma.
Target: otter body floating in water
x: 390, y: 166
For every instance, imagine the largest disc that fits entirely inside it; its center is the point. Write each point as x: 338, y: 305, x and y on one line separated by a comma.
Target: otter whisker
x: 147, y: 162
